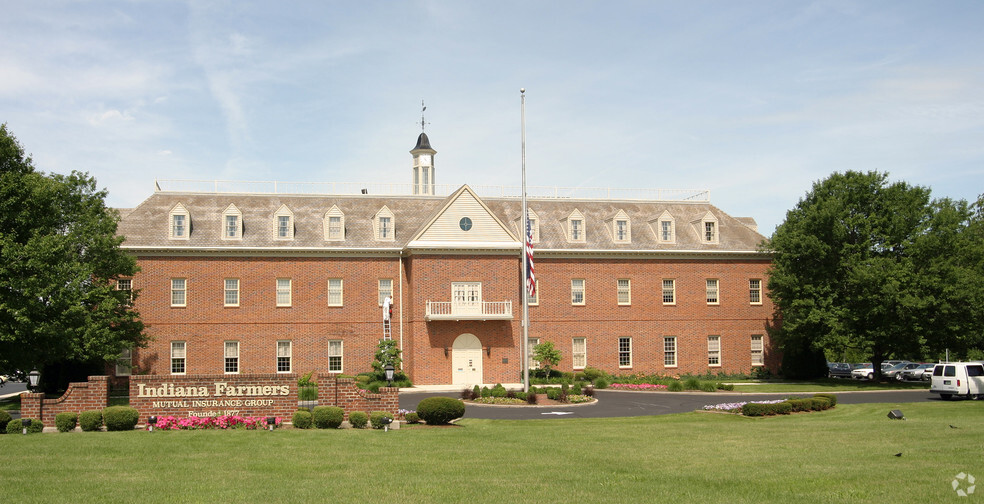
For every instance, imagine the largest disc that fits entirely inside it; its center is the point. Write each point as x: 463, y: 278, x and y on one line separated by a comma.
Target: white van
x: 958, y: 378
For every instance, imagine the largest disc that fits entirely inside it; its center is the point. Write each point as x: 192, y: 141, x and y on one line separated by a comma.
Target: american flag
x: 530, y: 274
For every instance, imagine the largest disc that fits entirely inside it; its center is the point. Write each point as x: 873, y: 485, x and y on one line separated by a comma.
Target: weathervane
x: 422, y: 109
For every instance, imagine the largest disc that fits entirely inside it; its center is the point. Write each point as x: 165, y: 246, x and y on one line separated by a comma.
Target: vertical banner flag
x: 530, y: 278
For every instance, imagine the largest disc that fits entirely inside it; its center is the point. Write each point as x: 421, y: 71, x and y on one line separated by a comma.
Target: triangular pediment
x: 464, y: 220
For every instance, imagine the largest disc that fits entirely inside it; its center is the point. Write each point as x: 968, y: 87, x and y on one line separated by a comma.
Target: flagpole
x: 523, y: 256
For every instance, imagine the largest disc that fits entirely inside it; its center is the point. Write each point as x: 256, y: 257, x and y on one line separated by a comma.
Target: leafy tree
x: 547, y: 355
x: 59, y: 259
x: 843, y: 275
x: 387, y: 352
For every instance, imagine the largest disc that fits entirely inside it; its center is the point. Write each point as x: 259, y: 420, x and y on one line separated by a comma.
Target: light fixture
x: 389, y: 373
x: 386, y: 423
x: 151, y: 422
x: 33, y: 378
x: 445, y: 351
x: 25, y: 423
x: 271, y: 422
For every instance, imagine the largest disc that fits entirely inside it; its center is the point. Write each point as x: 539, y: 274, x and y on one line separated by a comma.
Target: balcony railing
x: 484, y: 310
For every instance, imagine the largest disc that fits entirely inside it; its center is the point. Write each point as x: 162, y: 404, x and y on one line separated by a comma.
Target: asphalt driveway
x: 618, y: 403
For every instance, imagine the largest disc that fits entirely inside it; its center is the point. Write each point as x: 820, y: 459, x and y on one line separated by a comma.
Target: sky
x: 751, y: 100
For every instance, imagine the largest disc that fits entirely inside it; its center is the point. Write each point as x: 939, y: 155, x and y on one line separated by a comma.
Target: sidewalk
x: 455, y: 388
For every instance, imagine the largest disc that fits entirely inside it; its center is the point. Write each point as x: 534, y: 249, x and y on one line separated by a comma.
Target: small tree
x: 547, y: 355
x: 387, y: 353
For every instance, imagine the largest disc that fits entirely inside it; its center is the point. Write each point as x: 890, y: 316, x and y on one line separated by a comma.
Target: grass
x: 842, y: 455
x: 833, y: 385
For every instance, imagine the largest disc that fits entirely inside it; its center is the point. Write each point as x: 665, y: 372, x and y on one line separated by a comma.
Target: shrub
x: 498, y: 390
x: 782, y: 408
x: 376, y: 418
x: 553, y: 394
x: 592, y: 374
x: 476, y: 392
x: 359, y: 419
x: 708, y: 387
x: 819, y: 403
x: 692, y: 383
x: 531, y: 398
x: 675, y: 386
x: 440, y: 410
x: 798, y: 405
x: 91, y: 420
x: 4, y: 420
x: 66, y: 421
x: 327, y: 417
x: 120, y: 418
x: 601, y: 383
x: 756, y: 409
x: 16, y: 427
x: 486, y: 392
x: 302, y: 419
x: 830, y: 397
x: 576, y: 389
x: 511, y: 394
x: 412, y: 418
x: 725, y: 386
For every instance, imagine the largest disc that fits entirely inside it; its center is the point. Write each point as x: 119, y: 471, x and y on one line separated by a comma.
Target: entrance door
x: 466, y: 360
x: 466, y: 298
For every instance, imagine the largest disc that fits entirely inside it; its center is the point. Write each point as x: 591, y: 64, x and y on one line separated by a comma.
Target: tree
x: 387, y: 353
x: 843, y: 274
x: 59, y: 262
x: 546, y: 355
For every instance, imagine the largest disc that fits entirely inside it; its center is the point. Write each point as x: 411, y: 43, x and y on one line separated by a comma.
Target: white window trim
x: 534, y: 225
x: 619, y: 352
x: 583, y: 291
x: 676, y: 352
x: 532, y: 343
x: 658, y: 229
x: 290, y: 292
x: 535, y: 300
x: 377, y: 224
x: 575, y: 353
x: 621, y: 216
x: 341, y: 292
x: 759, y: 302
x: 760, y: 349
x: 183, y: 358
x: 179, y: 209
x: 716, y: 290
x: 225, y: 367
x: 711, y: 350
x: 334, y: 212
x: 709, y: 218
x: 289, y: 356
x: 225, y: 293
x: 576, y: 215
x: 125, y: 284
x: 383, y: 292
x: 341, y: 356
x: 232, y: 211
x: 628, y: 291
x: 183, y: 290
x: 283, y: 211
x: 127, y: 368
x: 662, y: 288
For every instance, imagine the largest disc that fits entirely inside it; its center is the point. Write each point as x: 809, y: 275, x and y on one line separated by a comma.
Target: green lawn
x: 833, y: 385
x: 842, y: 455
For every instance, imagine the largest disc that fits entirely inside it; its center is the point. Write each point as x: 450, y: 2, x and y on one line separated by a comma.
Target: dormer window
x: 709, y: 228
x: 621, y: 229
x: 179, y: 223
x: 575, y: 227
x: 334, y: 224
x: 385, y: 225
x: 232, y: 223
x: 534, y: 226
x: 665, y: 228
x: 283, y: 223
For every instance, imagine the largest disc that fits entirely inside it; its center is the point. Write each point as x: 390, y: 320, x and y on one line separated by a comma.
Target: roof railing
x: 440, y: 190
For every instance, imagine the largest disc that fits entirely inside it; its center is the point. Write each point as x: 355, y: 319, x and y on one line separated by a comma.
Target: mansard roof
x: 147, y: 225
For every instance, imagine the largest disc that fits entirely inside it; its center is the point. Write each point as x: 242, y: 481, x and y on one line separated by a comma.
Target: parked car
x: 922, y: 372
x: 895, y: 372
x: 867, y: 372
x: 958, y: 378
x: 839, y: 370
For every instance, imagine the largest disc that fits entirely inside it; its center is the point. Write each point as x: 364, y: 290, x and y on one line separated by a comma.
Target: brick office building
x: 261, y: 281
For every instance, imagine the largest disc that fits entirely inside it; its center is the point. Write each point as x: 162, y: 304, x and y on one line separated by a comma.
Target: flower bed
x: 735, y: 407
x: 218, y: 422
x: 637, y: 386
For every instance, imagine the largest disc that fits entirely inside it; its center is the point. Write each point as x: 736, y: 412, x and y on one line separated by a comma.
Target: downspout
x: 401, y: 306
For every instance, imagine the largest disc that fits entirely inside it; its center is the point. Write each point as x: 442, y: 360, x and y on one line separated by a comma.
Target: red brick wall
x: 82, y: 396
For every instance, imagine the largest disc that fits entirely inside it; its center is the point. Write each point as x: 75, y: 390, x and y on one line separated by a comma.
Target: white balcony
x: 481, y: 310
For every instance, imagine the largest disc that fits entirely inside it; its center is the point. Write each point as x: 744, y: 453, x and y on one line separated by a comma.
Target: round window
x: 465, y: 223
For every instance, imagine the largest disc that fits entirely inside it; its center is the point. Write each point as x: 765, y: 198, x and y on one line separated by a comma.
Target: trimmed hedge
x: 358, y: 419
x: 440, y: 410
x: 16, y: 427
x: 328, y: 417
x: 412, y: 418
x: 120, y: 418
x: 66, y: 421
x: 4, y: 420
x: 830, y: 397
x: 376, y: 419
x: 91, y: 420
x: 302, y: 419
x: 756, y: 409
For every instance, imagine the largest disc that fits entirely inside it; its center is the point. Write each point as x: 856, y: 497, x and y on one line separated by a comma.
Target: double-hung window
x: 284, y: 352
x: 178, y: 357
x: 385, y: 289
x: 713, y: 350
x: 124, y: 363
x: 669, y: 291
x: 669, y: 351
x: 711, y: 290
x: 179, y: 292
x: 231, y: 292
x: 579, y: 352
x: 532, y: 343
x: 625, y: 352
x: 624, y: 287
x: 335, y: 356
x: 757, y: 350
x: 577, y: 291
x: 283, y: 292
x: 231, y: 357
x: 755, y: 291
x: 334, y: 292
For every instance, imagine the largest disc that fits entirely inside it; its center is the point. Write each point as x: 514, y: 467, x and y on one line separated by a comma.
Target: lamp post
x: 33, y: 378
x: 389, y: 373
x: 152, y: 421
x: 25, y: 423
x: 271, y: 422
